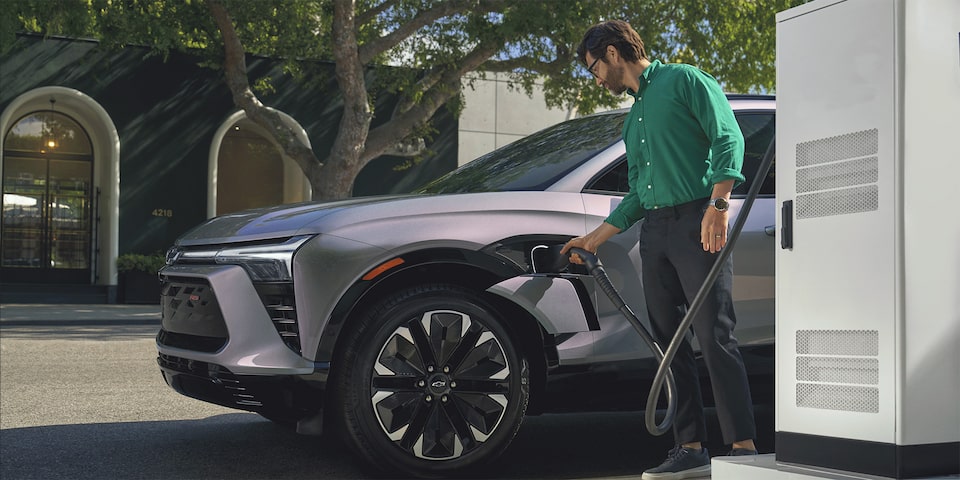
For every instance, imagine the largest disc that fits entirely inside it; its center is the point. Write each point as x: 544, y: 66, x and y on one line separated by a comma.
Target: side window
x: 614, y: 180
x: 758, y: 131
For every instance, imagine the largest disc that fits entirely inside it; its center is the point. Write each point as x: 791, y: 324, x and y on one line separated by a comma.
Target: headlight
x: 264, y: 263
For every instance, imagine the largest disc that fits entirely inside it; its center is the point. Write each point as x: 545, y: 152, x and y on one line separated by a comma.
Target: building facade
x: 106, y: 152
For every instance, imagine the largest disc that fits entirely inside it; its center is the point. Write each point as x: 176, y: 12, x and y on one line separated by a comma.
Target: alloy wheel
x: 440, y: 385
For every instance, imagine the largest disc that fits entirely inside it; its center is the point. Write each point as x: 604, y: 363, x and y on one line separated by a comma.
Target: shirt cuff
x: 726, y: 174
x: 621, y: 221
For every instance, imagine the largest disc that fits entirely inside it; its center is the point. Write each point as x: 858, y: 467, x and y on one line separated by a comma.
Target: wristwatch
x: 721, y: 204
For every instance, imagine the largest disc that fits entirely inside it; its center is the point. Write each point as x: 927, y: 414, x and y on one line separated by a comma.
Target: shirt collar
x: 646, y: 77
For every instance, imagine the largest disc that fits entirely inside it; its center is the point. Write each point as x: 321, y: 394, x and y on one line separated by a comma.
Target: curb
x: 81, y: 323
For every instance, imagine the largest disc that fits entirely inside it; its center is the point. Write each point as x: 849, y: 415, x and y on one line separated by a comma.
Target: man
x: 684, y: 153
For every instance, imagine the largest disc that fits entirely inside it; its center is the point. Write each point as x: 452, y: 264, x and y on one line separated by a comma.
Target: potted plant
x: 138, y: 282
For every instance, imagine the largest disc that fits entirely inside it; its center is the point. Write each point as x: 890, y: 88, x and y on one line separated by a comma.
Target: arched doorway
x: 248, y: 169
x: 47, y: 216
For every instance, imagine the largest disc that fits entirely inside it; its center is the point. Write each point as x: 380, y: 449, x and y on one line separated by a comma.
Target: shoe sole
x: 691, y: 473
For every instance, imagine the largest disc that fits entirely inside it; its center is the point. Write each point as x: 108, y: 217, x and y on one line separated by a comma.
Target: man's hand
x: 577, y: 242
x: 590, y: 242
x: 713, y: 229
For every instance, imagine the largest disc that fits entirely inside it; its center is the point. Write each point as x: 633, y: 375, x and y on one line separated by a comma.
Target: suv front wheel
x: 431, y: 382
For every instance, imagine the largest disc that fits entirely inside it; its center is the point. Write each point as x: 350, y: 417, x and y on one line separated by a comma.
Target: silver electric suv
x: 422, y: 328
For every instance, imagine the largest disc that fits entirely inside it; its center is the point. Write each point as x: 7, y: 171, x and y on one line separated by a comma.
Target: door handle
x: 770, y: 230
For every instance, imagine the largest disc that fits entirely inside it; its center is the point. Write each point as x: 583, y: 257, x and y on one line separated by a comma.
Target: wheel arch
x: 475, y: 271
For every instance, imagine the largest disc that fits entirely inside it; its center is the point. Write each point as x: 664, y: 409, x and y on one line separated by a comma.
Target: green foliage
x: 533, y: 42
x: 734, y: 40
x: 137, y: 262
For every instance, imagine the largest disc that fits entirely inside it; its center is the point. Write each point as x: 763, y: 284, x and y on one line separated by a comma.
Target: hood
x: 358, y: 218
x: 269, y: 222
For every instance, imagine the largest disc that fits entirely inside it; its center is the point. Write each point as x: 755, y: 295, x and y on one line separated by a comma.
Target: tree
x: 438, y: 42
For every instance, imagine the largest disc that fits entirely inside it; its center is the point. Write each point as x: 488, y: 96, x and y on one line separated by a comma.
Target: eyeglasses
x: 594, y: 64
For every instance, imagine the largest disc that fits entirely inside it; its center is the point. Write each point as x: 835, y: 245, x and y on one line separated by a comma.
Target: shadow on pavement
x: 240, y: 446
x: 245, y: 446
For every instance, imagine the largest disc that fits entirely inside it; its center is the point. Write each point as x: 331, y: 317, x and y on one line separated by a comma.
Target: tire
x: 431, y: 382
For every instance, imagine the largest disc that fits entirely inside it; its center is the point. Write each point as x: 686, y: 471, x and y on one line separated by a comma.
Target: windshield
x: 534, y: 162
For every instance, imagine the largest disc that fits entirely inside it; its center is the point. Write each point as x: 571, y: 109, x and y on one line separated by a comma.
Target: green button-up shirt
x: 682, y: 138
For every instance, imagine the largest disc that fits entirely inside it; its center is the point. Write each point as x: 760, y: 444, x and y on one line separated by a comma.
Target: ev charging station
x: 868, y: 269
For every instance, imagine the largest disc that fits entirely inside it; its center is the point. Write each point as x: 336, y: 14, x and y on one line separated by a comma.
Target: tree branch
x: 372, y: 13
x: 547, y: 68
x: 235, y: 62
x: 389, y: 134
x: 371, y: 49
x: 428, y: 81
x: 555, y: 67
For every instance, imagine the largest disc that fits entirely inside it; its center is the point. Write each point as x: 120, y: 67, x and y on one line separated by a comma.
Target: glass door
x: 46, y: 224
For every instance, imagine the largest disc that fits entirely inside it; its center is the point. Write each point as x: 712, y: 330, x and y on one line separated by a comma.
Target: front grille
x: 218, y: 377
x: 193, y: 320
x: 191, y: 315
x: 279, y: 300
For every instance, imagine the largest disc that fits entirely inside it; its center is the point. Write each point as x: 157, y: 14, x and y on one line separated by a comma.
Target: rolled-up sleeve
x: 713, y: 111
x: 627, y: 212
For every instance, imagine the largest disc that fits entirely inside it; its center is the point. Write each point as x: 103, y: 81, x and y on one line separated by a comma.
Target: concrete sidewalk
x: 88, y: 314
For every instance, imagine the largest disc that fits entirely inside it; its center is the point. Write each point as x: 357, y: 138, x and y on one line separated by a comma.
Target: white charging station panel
x: 868, y: 273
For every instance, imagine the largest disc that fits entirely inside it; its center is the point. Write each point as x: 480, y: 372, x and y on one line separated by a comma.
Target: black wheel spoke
x: 461, y: 427
x: 485, y: 360
x: 447, y: 329
x: 464, y: 348
x: 467, y: 385
x: 417, y: 424
x: 400, y: 355
x: 395, y: 410
x: 422, y: 342
x: 394, y: 383
x: 482, y: 412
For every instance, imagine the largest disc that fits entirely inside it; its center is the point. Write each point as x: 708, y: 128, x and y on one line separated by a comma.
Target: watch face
x: 720, y: 204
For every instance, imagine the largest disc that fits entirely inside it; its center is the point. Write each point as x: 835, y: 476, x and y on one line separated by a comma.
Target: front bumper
x: 223, y: 342
x: 216, y: 316
x: 297, y: 396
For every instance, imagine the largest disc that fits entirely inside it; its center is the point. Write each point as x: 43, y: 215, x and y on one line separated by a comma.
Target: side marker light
x: 383, y: 267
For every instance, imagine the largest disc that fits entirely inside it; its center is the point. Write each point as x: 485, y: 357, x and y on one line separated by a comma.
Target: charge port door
x: 561, y: 302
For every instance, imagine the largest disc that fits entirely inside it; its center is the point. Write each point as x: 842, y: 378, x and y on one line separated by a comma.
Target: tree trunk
x: 355, y: 123
x: 336, y: 180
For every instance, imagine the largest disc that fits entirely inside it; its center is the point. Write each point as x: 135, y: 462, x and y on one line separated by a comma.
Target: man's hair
x: 613, y: 32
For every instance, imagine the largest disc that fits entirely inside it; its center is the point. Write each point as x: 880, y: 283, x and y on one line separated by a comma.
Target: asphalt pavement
x: 22, y: 314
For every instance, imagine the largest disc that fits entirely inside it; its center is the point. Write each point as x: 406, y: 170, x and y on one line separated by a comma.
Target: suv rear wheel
x: 430, y: 382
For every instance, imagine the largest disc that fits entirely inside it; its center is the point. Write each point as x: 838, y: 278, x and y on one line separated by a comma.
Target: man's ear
x: 612, y: 53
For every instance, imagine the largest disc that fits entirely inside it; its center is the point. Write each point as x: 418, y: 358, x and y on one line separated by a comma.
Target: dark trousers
x: 674, y: 267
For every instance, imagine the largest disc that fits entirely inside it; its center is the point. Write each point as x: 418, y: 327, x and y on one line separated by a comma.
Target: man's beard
x: 615, y: 83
